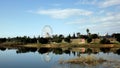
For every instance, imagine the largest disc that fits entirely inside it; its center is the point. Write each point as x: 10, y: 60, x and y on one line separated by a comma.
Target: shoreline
x: 61, y: 45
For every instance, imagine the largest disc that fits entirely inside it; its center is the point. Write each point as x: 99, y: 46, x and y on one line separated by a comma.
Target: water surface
x: 49, y: 58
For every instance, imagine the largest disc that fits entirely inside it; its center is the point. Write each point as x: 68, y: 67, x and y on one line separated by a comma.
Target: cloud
x: 99, y: 3
x: 64, y: 13
x: 86, y: 2
x: 109, y: 23
x: 77, y: 21
x: 110, y: 18
x: 108, y: 3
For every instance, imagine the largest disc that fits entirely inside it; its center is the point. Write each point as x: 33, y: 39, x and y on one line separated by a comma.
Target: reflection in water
x: 44, y: 50
x: 50, y: 56
x: 89, y: 50
x: 67, y: 52
x: 25, y: 50
x: 45, y: 54
x: 118, y: 51
x: 75, y: 52
x: 105, y: 50
x: 57, y: 51
x: 47, y: 57
x: 2, y: 48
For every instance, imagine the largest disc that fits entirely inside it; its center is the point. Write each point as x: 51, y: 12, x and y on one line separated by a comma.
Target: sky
x: 29, y: 17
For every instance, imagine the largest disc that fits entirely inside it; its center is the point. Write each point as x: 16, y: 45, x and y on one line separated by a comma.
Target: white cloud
x: 64, y: 13
x: 86, y: 2
x: 78, y: 21
x: 108, y: 3
x: 98, y: 19
x: 109, y: 23
x: 101, y: 12
x: 99, y: 3
x: 110, y: 18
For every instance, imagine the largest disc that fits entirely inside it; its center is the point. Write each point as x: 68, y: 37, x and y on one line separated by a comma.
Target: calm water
x: 49, y: 58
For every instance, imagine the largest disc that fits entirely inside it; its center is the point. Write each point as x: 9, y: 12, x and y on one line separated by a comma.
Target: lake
x: 49, y: 57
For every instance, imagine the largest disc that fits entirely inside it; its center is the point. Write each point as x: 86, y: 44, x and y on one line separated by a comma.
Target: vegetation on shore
x: 60, y: 40
x: 86, y: 60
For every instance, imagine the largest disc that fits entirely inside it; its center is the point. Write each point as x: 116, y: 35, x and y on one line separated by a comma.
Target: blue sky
x: 28, y: 17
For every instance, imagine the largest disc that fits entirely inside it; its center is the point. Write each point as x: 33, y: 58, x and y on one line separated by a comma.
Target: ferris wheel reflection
x: 47, y: 57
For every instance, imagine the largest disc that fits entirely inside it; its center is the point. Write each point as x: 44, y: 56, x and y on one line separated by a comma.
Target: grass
x: 33, y: 45
x: 62, y: 45
x: 11, y: 43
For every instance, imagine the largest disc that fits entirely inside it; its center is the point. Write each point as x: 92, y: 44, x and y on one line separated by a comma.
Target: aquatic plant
x: 86, y: 60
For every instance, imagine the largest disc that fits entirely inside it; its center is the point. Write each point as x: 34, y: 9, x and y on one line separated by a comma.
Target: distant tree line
x: 60, y: 38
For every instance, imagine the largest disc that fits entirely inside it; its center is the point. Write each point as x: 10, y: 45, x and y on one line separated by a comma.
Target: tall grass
x: 86, y: 60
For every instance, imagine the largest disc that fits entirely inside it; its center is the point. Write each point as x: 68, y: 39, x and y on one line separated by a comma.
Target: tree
x: 33, y: 40
x: 69, y: 36
x: 89, y: 40
x: 74, y: 36
x: 105, y: 41
x: 67, y: 39
x: 57, y: 38
x: 87, y: 30
x: 118, y: 39
x: 61, y: 36
x: 78, y: 35
x: 43, y: 40
x: 2, y: 40
x: 94, y: 36
x: 117, y: 36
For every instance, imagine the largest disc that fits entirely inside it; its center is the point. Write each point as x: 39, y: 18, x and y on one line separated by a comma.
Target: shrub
x: 105, y: 41
x: 118, y: 39
x: 67, y: 40
x: 44, y: 40
x: 2, y: 40
x: 117, y: 36
x: 57, y: 40
x: 89, y: 40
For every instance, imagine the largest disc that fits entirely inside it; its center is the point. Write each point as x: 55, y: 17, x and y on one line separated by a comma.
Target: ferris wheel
x: 47, y: 31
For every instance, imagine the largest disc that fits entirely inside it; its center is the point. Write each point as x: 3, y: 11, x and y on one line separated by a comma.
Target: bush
x: 89, y: 40
x: 57, y: 40
x: 44, y: 40
x: 105, y: 41
x: 67, y: 40
x: 2, y: 40
x: 117, y: 36
x: 118, y: 39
